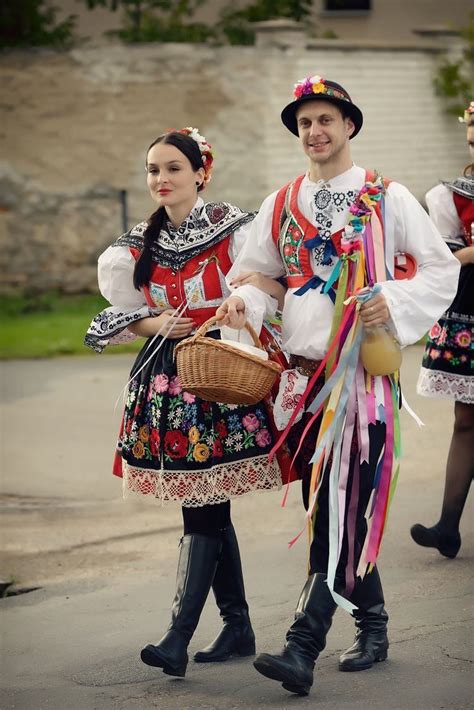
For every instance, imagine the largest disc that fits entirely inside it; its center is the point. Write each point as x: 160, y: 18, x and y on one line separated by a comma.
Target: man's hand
x: 375, y: 311
x: 232, y: 313
x: 265, y: 283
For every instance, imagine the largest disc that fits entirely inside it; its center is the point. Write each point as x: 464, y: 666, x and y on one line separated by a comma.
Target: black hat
x: 313, y: 88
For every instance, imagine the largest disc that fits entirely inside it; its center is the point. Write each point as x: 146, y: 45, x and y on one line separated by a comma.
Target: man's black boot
x: 371, y: 640
x: 305, y: 639
x: 196, y: 569
x: 236, y: 636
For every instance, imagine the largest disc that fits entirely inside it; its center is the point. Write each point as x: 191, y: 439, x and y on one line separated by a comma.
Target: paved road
x: 106, y: 568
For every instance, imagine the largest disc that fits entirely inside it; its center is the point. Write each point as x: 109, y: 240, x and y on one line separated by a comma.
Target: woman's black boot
x: 305, y: 639
x: 447, y: 543
x: 371, y: 640
x: 196, y: 569
x: 236, y: 636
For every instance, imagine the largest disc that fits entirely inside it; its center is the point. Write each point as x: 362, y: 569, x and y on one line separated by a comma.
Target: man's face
x: 323, y: 131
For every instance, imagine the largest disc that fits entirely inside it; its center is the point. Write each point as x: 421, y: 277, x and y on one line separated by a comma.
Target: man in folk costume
x: 336, y: 234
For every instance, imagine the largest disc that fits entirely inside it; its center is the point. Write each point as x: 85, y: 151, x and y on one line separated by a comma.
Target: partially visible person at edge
x: 448, y: 363
x: 313, y: 220
x: 166, y: 276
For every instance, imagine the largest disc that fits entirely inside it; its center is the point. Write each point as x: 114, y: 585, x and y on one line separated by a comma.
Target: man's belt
x: 304, y: 365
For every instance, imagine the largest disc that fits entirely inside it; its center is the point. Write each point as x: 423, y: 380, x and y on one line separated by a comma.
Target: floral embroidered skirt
x: 448, y: 363
x: 175, y: 446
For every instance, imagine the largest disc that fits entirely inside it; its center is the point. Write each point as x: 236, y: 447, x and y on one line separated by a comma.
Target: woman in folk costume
x: 334, y: 234
x: 448, y: 363
x: 164, y: 278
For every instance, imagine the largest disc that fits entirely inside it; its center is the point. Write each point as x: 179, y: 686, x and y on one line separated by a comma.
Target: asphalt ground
x: 106, y: 568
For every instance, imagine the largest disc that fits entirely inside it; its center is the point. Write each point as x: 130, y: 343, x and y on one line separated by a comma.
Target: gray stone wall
x: 74, y: 121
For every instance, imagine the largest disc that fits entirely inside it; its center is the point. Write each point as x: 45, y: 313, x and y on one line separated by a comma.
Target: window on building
x: 347, y: 5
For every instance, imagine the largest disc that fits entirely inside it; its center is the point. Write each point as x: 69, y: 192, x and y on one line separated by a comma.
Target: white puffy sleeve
x: 115, y: 276
x: 256, y: 251
x: 416, y: 304
x: 442, y: 209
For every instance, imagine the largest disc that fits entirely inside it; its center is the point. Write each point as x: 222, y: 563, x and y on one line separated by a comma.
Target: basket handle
x: 202, y: 330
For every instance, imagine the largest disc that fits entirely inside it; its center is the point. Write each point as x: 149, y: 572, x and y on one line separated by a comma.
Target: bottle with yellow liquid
x: 379, y: 351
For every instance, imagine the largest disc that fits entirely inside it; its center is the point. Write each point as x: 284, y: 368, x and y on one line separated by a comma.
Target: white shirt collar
x: 348, y: 179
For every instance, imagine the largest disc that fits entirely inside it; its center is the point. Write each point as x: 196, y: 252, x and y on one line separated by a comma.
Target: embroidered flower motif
x: 194, y: 435
x: 176, y: 444
x: 263, y: 438
x: 143, y: 433
x: 251, y: 422
x: 434, y: 354
x: 175, y: 385
x: 160, y: 383
x: 217, y: 449
x: 442, y: 336
x: 138, y: 450
x: 201, y: 452
x: 435, y: 331
x: 189, y: 398
x: 221, y: 430
x: 463, y: 338
x: 155, y: 442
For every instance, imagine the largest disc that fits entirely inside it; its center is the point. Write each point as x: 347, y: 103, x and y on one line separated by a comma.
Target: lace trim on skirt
x: 435, y: 383
x: 216, y: 485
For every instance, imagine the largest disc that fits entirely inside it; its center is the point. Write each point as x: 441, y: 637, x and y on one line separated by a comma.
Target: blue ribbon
x: 314, y: 242
x: 329, y: 249
x: 314, y: 282
x: 335, y: 273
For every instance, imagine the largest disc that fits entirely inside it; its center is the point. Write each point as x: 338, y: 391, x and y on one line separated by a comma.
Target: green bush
x: 50, y: 324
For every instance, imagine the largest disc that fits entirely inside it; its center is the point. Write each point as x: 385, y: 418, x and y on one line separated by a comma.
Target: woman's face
x: 470, y: 141
x: 171, y: 178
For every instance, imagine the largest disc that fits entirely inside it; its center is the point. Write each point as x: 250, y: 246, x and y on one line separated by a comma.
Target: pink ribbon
x: 351, y: 524
x: 377, y: 241
x: 379, y: 516
x: 362, y: 411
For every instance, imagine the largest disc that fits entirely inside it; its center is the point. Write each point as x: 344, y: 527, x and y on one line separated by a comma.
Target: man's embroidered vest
x: 294, y: 235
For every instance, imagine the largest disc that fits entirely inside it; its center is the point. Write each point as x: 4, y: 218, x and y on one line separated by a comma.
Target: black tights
x: 459, y: 468
x: 207, y: 520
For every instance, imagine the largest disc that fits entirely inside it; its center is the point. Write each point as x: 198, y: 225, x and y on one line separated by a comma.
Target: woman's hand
x: 174, y: 326
x: 232, y: 313
x: 171, y: 326
x: 465, y: 255
x: 264, y: 283
x: 375, y: 311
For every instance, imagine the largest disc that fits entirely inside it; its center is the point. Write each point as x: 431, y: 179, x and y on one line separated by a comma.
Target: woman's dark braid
x: 142, y: 272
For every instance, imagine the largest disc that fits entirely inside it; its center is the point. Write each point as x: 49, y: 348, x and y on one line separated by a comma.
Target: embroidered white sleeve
x: 416, y: 304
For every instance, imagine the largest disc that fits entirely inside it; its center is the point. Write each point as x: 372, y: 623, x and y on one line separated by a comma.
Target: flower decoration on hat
x: 207, y: 153
x: 317, y: 85
x: 468, y: 115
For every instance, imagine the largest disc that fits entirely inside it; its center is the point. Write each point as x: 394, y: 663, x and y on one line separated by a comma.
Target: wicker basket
x: 217, y: 372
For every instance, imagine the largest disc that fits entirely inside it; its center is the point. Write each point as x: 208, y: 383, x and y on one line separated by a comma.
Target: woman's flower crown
x: 316, y: 85
x: 468, y: 114
x: 207, y: 154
